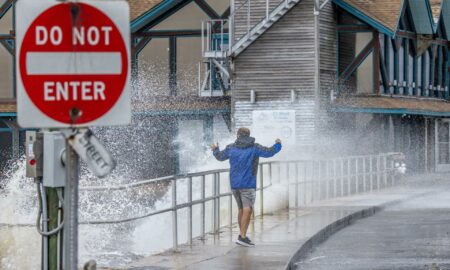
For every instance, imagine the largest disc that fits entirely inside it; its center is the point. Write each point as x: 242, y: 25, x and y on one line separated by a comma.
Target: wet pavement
x: 412, y: 235
x: 277, y: 236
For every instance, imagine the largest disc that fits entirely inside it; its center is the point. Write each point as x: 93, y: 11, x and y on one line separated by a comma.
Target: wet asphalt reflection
x: 412, y: 235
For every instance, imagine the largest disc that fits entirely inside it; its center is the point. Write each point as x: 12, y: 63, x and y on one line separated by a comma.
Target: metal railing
x: 305, y: 182
x: 248, y: 14
x: 215, y: 38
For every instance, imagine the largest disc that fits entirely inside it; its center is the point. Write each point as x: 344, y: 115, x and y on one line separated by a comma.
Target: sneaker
x: 250, y: 242
x: 244, y: 242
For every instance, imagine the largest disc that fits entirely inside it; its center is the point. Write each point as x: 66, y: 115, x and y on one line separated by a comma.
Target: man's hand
x: 214, y: 146
x: 278, y: 141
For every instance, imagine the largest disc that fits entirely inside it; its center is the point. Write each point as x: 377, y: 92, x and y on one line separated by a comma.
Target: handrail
x: 307, y: 181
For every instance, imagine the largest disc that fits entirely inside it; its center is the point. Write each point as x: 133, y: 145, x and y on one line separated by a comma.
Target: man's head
x: 243, y: 132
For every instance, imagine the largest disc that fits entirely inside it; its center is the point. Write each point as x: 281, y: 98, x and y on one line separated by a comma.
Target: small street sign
x: 93, y: 153
x: 72, y: 63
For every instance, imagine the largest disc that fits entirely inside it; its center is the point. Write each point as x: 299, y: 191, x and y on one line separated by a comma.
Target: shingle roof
x: 139, y: 7
x: 408, y: 106
x: 385, y: 12
x: 436, y: 8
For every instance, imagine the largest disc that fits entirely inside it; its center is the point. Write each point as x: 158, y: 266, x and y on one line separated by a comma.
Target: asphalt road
x: 412, y: 235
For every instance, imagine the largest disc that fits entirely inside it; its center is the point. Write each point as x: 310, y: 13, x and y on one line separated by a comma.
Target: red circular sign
x: 73, y: 63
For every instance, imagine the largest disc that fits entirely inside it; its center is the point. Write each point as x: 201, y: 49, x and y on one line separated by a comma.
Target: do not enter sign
x: 72, y: 63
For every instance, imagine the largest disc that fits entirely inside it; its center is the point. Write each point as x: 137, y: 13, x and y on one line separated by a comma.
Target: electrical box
x: 34, y: 154
x: 54, y: 171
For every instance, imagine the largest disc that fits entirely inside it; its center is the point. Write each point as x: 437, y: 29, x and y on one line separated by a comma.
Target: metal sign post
x: 73, y: 71
x: 71, y: 209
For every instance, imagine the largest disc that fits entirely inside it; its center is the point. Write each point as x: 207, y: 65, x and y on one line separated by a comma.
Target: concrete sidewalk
x: 280, y: 237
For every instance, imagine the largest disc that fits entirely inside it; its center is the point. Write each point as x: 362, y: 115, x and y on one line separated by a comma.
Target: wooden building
x: 393, y: 77
x: 168, y: 110
x: 375, y: 78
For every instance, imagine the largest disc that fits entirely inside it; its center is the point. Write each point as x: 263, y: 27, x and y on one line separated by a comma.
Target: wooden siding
x: 304, y: 116
x: 328, y: 38
x: 281, y: 59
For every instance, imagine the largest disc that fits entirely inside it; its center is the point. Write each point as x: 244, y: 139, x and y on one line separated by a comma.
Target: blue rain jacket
x: 244, y: 159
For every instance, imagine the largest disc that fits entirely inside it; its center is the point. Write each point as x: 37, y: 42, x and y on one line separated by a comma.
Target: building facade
x: 172, y: 123
x: 340, y: 77
x: 360, y: 76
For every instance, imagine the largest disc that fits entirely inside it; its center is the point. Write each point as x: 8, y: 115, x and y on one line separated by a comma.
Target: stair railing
x: 248, y: 14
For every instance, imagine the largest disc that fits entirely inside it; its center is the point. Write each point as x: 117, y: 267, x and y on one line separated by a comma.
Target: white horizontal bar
x: 76, y: 63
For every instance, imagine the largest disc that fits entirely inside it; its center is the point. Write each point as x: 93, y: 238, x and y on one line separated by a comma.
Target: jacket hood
x: 245, y: 142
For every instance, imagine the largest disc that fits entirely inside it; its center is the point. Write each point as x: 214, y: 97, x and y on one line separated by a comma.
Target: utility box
x: 54, y: 171
x: 34, y: 154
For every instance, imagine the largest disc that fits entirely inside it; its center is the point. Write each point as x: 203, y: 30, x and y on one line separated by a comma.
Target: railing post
x: 270, y: 173
x: 267, y: 10
x: 261, y: 186
x: 203, y: 36
x: 221, y: 35
x: 218, y: 202
x: 327, y: 179
x: 319, y: 179
x: 230, y: 213
x: 342, y: 177
x: 208, y: 36
x: 385, y: 171
x: 296, y: 184
x: 313, y: 179
x: 305, y: 182
x: 199, y: 79
x: 231, y: 33
x: 349, y: 177
x: 190, y: 210
x: 378, y: 171
x: 392, y: 172
x: 364, y: 174
x: 357, y: 174
x: 174, y: 215
x: 334, y: 179
x: 203, y: 206
x: 371, y: 173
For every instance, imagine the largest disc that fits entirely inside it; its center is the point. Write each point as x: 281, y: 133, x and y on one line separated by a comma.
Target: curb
x: 340, y: 224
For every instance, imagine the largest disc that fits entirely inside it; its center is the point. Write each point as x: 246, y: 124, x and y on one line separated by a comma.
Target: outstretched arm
x: 268, y: 151
x: 220, y: 155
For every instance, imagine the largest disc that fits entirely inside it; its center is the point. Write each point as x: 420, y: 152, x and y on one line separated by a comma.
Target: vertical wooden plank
x: 432, y: 70
x: 396, y: 75
x: 172, y: 65
x: 376, y: 63
x: 406, y: 66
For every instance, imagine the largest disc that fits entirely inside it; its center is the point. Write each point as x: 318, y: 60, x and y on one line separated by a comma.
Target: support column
x: 173, y: 65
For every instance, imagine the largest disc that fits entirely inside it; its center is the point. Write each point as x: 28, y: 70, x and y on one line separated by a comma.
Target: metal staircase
x: 226, y: 38
x: 262, y: 26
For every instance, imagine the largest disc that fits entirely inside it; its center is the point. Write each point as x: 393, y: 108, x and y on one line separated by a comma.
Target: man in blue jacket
x: 244, y: 156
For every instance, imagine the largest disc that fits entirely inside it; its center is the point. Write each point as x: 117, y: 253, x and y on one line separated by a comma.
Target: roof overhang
x: 422, y: 16
x: 363, y: 17
x: 153, y: 14
x: 445, y: 18
x: 392, y: 105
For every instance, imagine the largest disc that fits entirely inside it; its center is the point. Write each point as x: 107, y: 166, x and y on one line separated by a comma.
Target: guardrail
x: 307, y: 181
